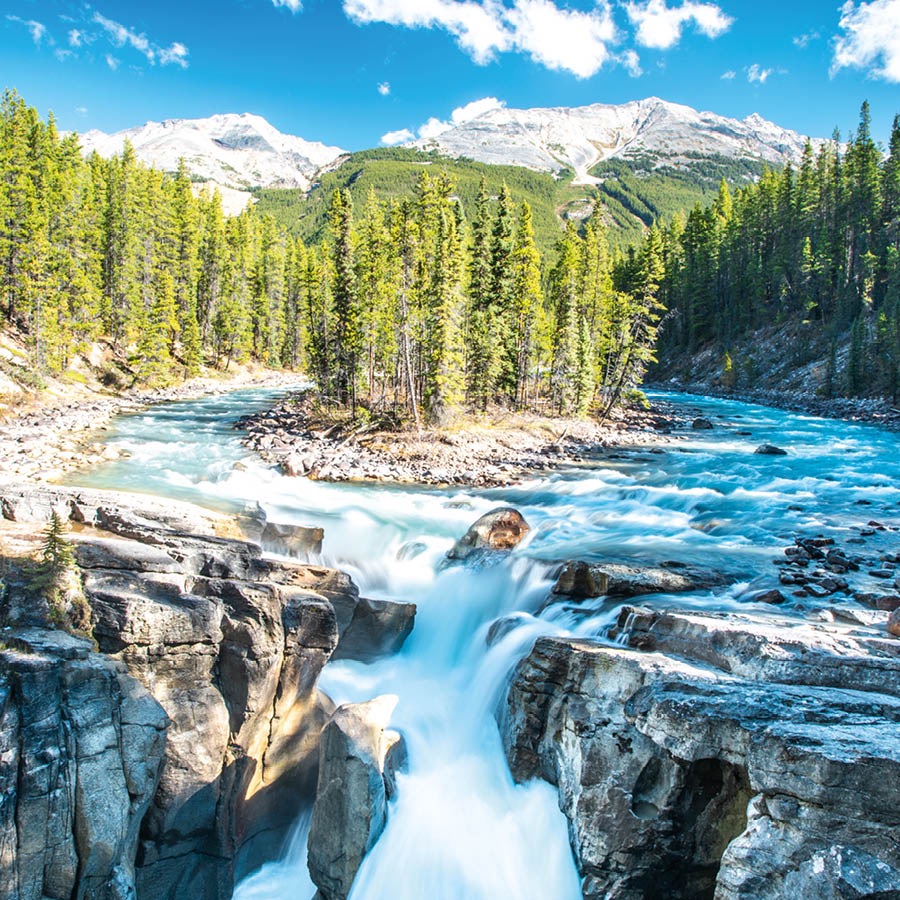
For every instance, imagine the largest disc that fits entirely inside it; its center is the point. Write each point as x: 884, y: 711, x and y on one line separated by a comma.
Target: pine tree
x: 347, y: 339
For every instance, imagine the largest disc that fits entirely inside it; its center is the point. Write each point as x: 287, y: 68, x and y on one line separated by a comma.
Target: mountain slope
x: 235, y: 152
x: 579, y: 138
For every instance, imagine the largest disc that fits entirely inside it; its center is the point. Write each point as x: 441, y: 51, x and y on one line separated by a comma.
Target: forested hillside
x: 405, y: 304
x: 815, y: 249
x: 629, y: 196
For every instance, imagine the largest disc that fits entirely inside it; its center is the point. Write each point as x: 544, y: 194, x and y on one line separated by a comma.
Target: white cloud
x: 122, y: 36
x: 660, y: 26
x: 871, y: 39
x: 38, y: 29
x: 435, y: 126
x: 397, y: 137
x: 475, y: 109
x: 384, y: 88
x: 730, y: 75
x: 81, y: 110
x: 293, y: 5
x: 176, y: 54
x: 804, y: 40
x: 432, y: 128
x: 462, y: 114
x: 562, y: 39
x: 62, y: 54
x: 76, y: 37
x: 632, y: 63
x: 478, y: 27
x: 112, y: 62
x: 758, y: 74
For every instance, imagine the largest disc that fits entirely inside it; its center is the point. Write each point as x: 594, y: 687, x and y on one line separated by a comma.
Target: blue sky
x: 349, y: 72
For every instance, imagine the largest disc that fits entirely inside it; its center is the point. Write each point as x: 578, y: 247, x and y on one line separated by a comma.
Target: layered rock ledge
x: 169, y: 751
x: 726, y: 756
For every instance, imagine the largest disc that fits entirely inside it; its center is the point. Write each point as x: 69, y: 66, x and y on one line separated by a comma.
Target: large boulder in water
x: 358, y: 756
x: 583, y: 580
x: 769, y: 450
x: 501, y: 529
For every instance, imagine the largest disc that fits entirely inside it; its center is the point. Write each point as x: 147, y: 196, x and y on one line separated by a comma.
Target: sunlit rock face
x: 731, y: 757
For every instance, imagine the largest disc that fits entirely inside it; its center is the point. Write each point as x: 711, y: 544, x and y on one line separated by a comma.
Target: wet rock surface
x: 584, y: 580
x: 358, y: 758
x: 226, y: 645
x: 719, y: 755
x: 498, y: 531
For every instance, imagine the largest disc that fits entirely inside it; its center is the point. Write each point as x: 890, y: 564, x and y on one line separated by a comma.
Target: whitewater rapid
x: 459, y: 828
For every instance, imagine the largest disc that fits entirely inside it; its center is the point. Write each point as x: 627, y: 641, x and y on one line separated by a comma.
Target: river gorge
x: 725, y: 722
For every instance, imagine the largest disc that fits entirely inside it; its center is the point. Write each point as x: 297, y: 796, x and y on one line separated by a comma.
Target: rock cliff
x: 733, y: 757
x: 211, y: 647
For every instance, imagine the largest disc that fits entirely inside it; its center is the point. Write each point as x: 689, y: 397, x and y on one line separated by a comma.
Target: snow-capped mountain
x: 234, y: 152
x: 580, y: 137
x: 240, y: 152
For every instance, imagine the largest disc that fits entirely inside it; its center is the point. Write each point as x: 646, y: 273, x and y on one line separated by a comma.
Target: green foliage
x: 56, y: 563
x: 635, y: 192
x: 818, y: 246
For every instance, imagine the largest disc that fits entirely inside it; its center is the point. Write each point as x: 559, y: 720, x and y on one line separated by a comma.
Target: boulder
x: 292, y: 540
x: 732, y: 756
x: 376, y: 628
x: 357, y: 759
x: 769, y: 450
x: 893, y: 625
x: 81, y: 750
x: 701, y: 424
x: 660, y: 759
x: 500, y: 530
x: 582, y: 580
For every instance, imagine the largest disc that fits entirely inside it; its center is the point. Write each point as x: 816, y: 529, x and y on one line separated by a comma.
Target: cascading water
x: 459, y: 827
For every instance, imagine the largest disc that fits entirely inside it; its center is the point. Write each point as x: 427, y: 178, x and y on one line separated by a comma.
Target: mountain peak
x: 580, y: 137
x: 234, y: 151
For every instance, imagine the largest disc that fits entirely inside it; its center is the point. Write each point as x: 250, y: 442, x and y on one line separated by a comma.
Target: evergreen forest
x: 815, y: 247
x: 414, y: 303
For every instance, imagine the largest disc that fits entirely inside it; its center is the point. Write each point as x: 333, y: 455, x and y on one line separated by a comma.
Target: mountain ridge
x: 242, y: 152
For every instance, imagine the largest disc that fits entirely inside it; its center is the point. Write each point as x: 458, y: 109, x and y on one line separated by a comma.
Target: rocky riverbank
x: 503, y: 449
x: 867, y: 410
x: 42, y: 440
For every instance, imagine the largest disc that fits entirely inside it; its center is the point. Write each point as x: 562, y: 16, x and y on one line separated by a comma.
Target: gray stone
x: 356, y: 755
x: 656, y: 754
x: 292, y: 540
x: 81, y: 750
x: 769, y: 450
x: 582, y: 580
x: 376, y: 628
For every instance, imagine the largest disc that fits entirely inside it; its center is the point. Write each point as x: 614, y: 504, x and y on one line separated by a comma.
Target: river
x: 459, y: 827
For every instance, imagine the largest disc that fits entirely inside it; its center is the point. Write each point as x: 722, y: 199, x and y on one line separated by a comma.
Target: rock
x: 770, y: 450
x: 656, y: 758
x: 292, y: 540
x: 885, y: 602
x: 357, y: 756
x: 376, y: 628
x: 502, y: 529
x: 893, y: 625
x: 81, y: 749
x: 582, y: 580
x: 229, y: 644
x: 773, y: 597
x: 701, y: 424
